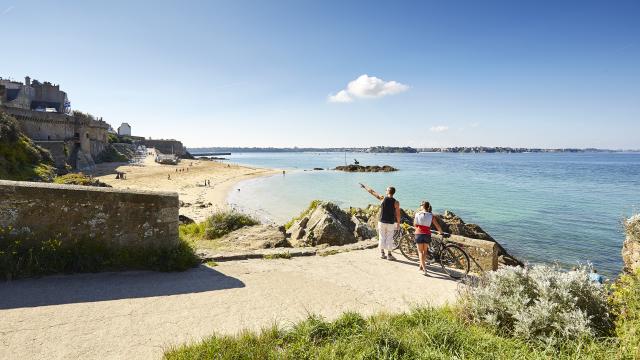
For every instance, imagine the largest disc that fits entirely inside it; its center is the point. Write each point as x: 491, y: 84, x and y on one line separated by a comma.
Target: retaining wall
x: 117, y: 217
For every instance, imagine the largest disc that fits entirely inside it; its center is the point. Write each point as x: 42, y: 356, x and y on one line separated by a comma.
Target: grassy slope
x: 20, y: 158
x: 420, y: 334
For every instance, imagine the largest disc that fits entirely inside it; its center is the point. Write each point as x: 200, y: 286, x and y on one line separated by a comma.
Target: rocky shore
x: 324, y: 224
x: 361, y: 168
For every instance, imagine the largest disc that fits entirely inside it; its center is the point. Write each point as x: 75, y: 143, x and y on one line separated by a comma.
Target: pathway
x: 137, y: 315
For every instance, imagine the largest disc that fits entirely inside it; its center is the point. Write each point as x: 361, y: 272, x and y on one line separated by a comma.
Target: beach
x: 198, y: 200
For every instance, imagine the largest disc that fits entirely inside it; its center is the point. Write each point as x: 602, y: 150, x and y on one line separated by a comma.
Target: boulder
x: 256, y: 237
x: 363, y: 230
x: 324, y: 224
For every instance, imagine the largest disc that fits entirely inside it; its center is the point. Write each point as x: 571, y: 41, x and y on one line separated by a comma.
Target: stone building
x: 42, y: 113
x: 124, y: 130
x: 33, y: 95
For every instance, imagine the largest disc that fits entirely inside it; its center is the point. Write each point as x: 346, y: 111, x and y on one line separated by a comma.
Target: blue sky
x: 263, y: 73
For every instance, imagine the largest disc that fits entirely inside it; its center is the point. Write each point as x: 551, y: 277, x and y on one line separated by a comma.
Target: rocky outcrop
x: 324, y: 224
x: 631, y: 246
x: 255, y: 237
x: 360, y: 168
x: 451, y: 223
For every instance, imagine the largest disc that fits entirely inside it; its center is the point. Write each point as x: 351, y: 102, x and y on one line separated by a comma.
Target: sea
x: 564, y: 208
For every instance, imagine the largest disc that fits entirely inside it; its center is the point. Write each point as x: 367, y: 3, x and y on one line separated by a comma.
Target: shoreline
x: 197, y: 200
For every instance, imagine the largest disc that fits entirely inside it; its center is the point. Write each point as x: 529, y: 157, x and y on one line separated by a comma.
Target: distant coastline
x: 403, y: 150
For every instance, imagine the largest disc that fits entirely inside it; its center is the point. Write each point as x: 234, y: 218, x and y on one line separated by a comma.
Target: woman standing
x: 422, y: 223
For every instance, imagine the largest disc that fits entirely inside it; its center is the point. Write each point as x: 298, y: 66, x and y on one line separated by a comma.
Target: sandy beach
x: 188, y: 181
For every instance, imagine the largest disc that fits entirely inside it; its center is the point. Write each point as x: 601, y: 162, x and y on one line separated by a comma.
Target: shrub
x: 541, y: 303
x: 78, y: 179
x: 314, y: 204
x: 223, y: 222
x: 21, y: 255
x: 20, y: 158
x: 111, y: 154
x: 625, y: 302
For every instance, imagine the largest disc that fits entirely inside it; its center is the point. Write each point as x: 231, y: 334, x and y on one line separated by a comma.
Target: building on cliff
x: 42, y: 111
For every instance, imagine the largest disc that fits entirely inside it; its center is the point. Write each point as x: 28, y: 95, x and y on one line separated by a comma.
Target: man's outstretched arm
x: 372, y: 192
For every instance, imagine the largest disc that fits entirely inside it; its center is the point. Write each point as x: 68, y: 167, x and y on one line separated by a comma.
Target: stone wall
x: 89, y: 135
x: 117, y: 217
x: 483, y: 253
x: 166, y: 146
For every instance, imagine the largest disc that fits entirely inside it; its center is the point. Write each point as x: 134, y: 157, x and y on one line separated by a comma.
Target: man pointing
x: 389, y: 220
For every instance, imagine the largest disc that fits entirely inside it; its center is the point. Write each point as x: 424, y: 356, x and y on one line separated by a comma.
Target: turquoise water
x: 564, y: 208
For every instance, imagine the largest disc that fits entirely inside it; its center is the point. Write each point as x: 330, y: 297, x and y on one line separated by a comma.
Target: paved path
x: 136, y: 315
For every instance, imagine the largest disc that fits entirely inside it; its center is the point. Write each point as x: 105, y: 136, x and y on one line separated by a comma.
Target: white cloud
x: 367, y: 87
x: 7, y: 10
x: 439, y: 128
x: 341, y: 97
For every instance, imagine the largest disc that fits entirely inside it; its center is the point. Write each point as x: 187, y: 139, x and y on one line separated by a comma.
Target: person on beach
x: 389, y: 221
x: 422, y: 223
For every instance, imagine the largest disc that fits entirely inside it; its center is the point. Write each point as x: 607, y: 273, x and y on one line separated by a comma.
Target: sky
x: 341, y: 73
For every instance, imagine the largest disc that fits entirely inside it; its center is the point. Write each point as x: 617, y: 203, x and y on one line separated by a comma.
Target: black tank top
x: 388, y: 210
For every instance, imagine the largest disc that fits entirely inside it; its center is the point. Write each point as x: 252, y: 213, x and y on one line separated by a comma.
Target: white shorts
x: 385, y: 236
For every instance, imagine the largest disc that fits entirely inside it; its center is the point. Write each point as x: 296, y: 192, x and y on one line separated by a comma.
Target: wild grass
x: 625, y: 302
x: 25, y: 256
x: 284, y: 255
x: 217, y: 225
x: 314, y: 204
x: 78, y: 179
x: 423, y: 333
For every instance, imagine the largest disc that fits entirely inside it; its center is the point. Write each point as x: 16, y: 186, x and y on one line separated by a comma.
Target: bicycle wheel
x: 408, y: 247
x: 397, y: 237
x: 454, y: 261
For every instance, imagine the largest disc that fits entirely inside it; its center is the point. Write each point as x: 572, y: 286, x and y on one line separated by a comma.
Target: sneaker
x: 390, y: 257
x: 383, y: 256
x: 426, y: 273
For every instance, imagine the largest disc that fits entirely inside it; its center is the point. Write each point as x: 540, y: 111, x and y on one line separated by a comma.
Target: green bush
x: 111, y: 154
x: 314, y: 204
x: 20, y: 158
x: 625, y: 302
x: 223, y: 222
x: 21, y: 255
x: 78, y: 179
x: 422, y: 333
x: 541, y: 303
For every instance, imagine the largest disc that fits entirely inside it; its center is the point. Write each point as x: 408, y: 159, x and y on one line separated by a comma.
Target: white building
x: 124, y: 130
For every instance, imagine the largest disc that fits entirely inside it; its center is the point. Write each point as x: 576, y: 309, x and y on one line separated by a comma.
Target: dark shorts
x: 423, y: 238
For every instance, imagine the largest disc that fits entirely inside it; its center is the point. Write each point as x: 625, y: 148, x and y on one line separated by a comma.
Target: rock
x: 325, y: 224
x: 256, y: 237
x: 363, y: 230
x: 318, y: 168
x: 631, y: 245
x: 453, y: 224
x: 184, y: 220
x: 360, y: 168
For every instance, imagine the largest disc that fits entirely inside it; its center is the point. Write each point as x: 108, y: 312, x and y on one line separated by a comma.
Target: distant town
x: 405, y: 150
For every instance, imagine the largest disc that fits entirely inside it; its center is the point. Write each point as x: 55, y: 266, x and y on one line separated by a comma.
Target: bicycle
x: 451, y: 257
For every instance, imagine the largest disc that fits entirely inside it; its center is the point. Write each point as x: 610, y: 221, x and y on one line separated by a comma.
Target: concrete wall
x: 484, y: 253
x: 117, y: 217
